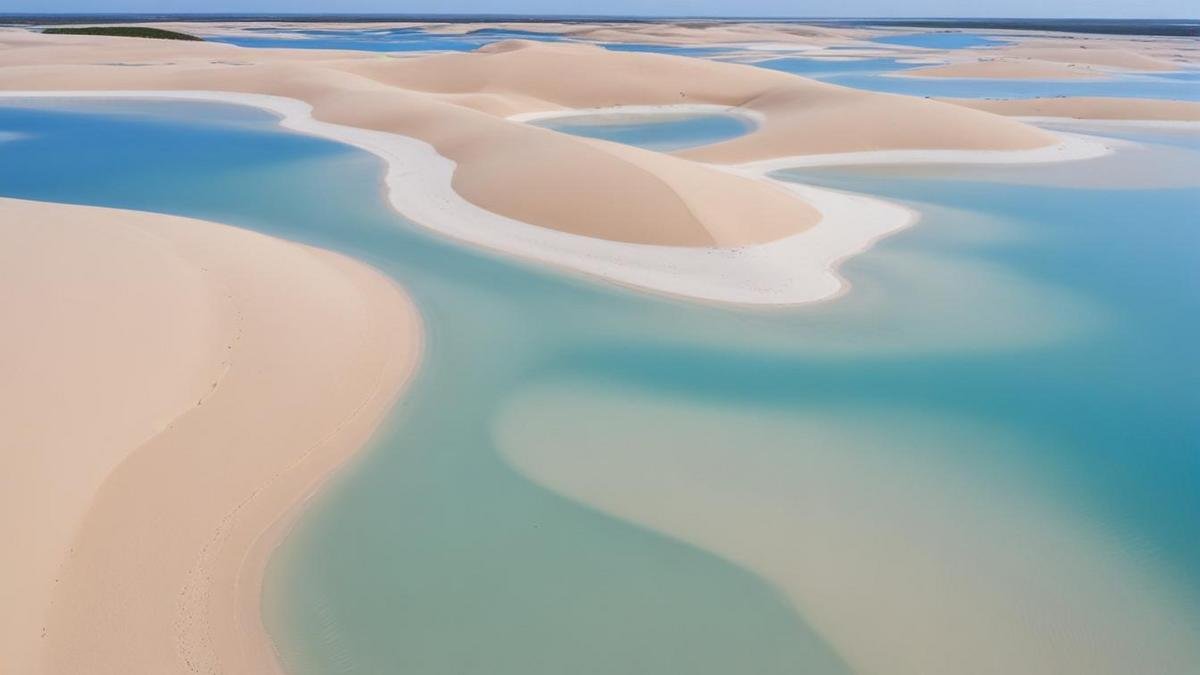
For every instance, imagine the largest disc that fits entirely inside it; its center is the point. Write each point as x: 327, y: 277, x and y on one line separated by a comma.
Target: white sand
x: 797, y: 269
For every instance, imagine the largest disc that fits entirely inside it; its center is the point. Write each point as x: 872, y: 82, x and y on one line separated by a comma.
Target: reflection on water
x: 1038, y: 335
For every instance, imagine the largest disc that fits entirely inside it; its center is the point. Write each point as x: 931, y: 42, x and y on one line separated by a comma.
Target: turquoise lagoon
x: 941, y: 40
x: 375, y: 39
x: 1031, y: 342
x: 663, y: 131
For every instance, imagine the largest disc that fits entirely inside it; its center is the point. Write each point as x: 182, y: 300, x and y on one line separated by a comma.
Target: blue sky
x: 850, y: 8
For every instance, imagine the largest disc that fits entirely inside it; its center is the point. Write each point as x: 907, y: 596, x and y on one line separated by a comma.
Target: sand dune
x: 174, y: 388
x: 224, y: 373
x: 458, y: 103
x: 1119, y: 58
x: 1090, y: 108
x: 1052, y: 59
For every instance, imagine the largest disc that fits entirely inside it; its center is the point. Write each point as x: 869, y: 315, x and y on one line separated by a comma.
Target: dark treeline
x: 123, y: 31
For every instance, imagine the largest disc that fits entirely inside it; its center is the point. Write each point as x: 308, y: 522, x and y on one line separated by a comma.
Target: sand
x: 174, y: 388
x: 1089, y: 108
x: 458, y: 102
x: 149, y: 554
x: 1058, y: 59
x: 1118, y: 58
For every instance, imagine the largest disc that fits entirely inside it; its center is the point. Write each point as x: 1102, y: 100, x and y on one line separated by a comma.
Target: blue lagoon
x: 591, y: 480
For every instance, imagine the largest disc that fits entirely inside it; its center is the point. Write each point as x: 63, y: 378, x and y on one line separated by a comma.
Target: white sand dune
x: 1008, y: 69
x: 1056, y: 58
x: 172, y: 389
x: 680, y: 224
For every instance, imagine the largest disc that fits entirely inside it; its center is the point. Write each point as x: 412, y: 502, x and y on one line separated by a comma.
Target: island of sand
x: 172, y: 390
x: 213, y: 397
x: 704, y: 222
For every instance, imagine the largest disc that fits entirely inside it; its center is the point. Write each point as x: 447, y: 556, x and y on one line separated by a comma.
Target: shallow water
x: 940, y: 40
x: 867, y: 73
x: 878, y: 74
x: 656, y: 131
x: 1025, y: 341
x: 376, y: 39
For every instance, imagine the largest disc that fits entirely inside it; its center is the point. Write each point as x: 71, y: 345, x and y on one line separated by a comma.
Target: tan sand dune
x: 172, y: 389
x: 224, y: 373
x: 801, y: 116
x: 1124, y: 59
x: 1055, y: 59
x: 1090, y: 108
x: 457, y: 102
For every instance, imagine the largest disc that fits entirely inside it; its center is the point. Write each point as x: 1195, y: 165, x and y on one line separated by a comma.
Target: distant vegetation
x: 124, y: 31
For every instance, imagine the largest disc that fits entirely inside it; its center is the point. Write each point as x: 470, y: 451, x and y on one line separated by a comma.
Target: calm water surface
x: 1049, y: 310
x: 940, y: 40
x: 656, y: 131
x: 869, y: 73
x: 376, y: 40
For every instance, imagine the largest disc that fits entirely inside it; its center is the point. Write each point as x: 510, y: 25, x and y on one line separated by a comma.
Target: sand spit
x: 684, y: 224
x: 1060, y: 59
x: 173, y: 389
x: 1089, y: 108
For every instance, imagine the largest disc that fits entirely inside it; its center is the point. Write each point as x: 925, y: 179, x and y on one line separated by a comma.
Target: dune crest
x: 459, y: 103
x: 215, y: 377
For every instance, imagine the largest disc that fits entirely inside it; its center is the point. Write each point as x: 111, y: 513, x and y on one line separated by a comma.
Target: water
x: 877, y: 74
x: 376, y: 40
x: 1026, y: 341
x: 869, y: 73
x: 940, y: 40
x: 674, y: 50
x: 656, y: 131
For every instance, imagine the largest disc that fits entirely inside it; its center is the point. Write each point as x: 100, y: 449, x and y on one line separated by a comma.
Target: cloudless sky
x: 1173, y: 9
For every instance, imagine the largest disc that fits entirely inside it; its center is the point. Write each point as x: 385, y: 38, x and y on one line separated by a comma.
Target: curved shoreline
x: 412, y: 166
x: 224, y: 376
x: 796, y: 269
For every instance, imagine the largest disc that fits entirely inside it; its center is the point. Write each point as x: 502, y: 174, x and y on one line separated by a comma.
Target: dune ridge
x: 215, y: 376
x: 691, y: 223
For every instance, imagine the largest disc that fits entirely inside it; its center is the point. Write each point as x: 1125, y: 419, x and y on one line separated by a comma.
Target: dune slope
x: 459, y: 103
x: 173, y: 388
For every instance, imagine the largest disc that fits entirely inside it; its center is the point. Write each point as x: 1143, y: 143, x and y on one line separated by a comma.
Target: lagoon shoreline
x: 784, y: 271
x: 212, y: 406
